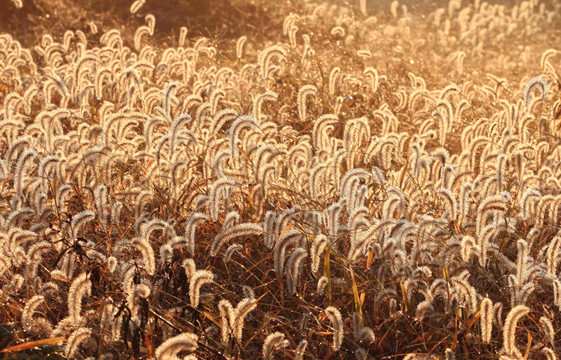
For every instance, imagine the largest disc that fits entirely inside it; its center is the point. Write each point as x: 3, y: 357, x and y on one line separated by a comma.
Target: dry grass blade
x: 32, y: 344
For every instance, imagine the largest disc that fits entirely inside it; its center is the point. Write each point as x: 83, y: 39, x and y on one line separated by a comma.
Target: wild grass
x: 362, y: 181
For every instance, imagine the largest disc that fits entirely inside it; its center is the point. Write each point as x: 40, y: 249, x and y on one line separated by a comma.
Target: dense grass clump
x: 328, y: 180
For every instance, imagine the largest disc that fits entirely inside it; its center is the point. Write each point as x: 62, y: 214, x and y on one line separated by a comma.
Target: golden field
x: 280, y: 180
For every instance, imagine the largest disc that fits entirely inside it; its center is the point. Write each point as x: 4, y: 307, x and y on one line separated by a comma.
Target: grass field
x: 280, y: 179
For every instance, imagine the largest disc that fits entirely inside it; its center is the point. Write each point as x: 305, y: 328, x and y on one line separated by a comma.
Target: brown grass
x: 384, y: 294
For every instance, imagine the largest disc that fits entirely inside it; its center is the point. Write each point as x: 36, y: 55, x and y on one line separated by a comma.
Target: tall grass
x: 367, y: 181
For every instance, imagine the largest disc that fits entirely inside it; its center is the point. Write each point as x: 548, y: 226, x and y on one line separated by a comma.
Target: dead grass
x: 382, y: 290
